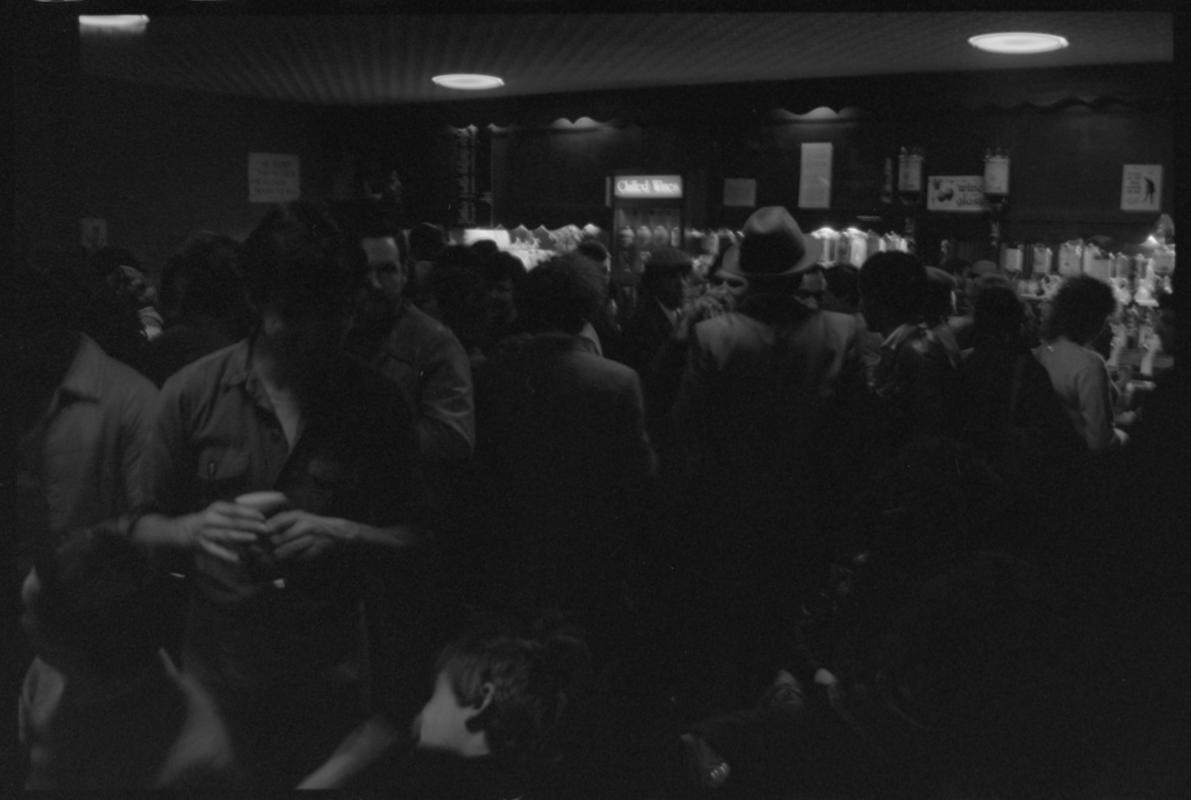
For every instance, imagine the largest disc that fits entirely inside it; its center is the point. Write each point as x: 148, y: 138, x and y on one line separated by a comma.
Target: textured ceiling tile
x: 370, y: 59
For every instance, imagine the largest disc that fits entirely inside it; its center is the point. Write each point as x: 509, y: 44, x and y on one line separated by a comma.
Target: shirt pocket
x: 222, y: 474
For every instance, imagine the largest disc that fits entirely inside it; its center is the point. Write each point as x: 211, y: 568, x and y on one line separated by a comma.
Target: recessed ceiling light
x: 468, y: 82
x: 114, y: 22
x: 1018, y: 43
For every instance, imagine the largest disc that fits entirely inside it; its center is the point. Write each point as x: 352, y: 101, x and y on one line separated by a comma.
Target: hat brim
x: 812, y: 250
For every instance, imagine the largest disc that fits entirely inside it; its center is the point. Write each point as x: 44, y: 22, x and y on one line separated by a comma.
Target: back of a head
x: 426, y: 242
x: 939, y: 301
x: 535, y: 679
x: 561, y: 294
x: 843, y: 282
x: 203, y: 276
x: 1080, y: 308
x: 485, y: 248
x: 500, y: 266
x: 297, y: 257
x: 593, y: 250
x: 896, y: 281
x: 998, y: 314
x: 65, y: 295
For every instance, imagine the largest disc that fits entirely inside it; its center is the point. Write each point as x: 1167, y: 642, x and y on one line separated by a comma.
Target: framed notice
x: 740, y: 192
x: 273, y: 178
x: 1141, y: 187
x: 814, y: 180
x: 955, y: 193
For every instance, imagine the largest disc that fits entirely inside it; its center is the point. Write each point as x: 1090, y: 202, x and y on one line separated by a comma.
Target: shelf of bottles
x: 853, y: 244
x: 1139, y: 275
x: 996, y: 190
x: 533, y: 246
x: 910, y: 190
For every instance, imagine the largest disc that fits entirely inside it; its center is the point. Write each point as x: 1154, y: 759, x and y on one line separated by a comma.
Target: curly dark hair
x: 297, y: 256
x: 203, y: 277
x: 998, y: 313
x: 1080, y: 308
x: 533, y: 679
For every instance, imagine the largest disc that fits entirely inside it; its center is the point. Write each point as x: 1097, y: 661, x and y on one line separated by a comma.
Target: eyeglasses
x: 385, y: 267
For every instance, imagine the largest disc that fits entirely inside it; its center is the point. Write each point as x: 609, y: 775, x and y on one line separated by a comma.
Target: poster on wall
x: 740, y: 192
x: 955, y: 193
x: 814, y: 180
x: 1141, y: 187
x: 273, y: 178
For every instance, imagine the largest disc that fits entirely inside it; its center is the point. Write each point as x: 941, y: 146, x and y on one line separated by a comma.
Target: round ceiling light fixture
x: 468, y: 82
x: 114, y: 22
x: 1018, y: 43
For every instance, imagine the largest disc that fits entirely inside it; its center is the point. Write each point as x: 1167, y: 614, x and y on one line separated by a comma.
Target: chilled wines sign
x: 660, y: 186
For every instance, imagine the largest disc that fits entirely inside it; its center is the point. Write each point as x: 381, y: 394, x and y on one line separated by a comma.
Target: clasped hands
x: 226, y: 530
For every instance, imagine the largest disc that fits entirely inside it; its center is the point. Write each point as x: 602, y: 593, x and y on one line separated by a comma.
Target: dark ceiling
x: 373, y: 59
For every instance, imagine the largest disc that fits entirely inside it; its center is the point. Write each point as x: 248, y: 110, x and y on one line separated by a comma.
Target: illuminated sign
x: 651, y: 186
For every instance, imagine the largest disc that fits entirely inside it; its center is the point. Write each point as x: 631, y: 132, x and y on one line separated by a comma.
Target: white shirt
x: 1080, y: 378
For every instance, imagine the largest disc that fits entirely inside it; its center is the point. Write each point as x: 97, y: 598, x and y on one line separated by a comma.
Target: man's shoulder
x: 836, y: 323
x: 730, y: 327
x: 412, y: 318
x: 209, y: 371
x: 129, y: 379
x: 596, y: 370
x: 415, y: 329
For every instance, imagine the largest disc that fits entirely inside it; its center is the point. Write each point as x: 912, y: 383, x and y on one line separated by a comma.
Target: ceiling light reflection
x: 468, y: 81
x: 1018, y: 43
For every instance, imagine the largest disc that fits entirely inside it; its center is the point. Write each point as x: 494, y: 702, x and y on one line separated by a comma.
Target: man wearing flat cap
x: 659, y: 308
x: 759, y: 397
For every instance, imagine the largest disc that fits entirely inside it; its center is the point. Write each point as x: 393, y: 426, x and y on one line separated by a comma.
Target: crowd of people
x: 342, y: 507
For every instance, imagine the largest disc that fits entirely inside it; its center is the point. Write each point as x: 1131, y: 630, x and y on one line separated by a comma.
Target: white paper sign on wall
x: 1141, y: 187
x: 814, y: 179
x: 273, y: 178
x: 955, y: 193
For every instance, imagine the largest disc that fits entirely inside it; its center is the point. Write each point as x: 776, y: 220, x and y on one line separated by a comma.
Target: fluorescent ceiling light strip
x: 1018, y: 43
x: 114, y: 22
x: 468, y: 81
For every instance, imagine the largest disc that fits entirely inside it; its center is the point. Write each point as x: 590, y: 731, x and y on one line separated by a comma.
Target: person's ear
x: 487, y: 691
x: 480, y: 709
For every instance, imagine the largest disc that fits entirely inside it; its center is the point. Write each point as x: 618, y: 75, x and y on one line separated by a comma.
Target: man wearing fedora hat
x: 760, y: 391
x: 756, y: 415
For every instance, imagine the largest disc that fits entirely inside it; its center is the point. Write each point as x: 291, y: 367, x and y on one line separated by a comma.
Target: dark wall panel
x: 159, y: 164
